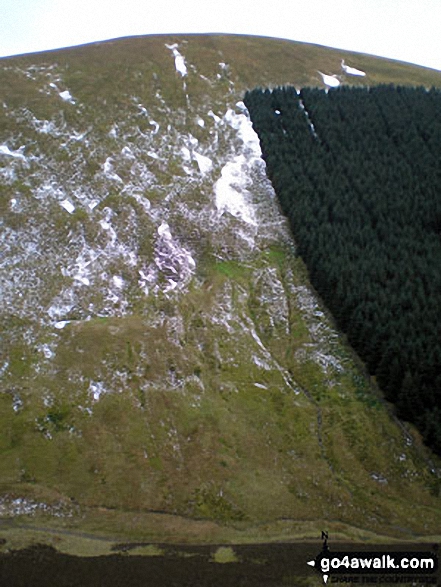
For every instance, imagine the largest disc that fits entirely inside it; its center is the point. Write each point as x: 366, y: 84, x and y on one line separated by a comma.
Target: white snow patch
x: 179, y: 59
x: 28, y: 507
x: 78, y: 136
x: 186, y: 153
x: 243, y: 125
x: 164, y: 231
x: 214, y: 116
x: 156, y: 125
x: 205, y: 163
x: 118, y: 281
x: 171, y: 260
x: 67, y: 97
x: 262, y: 364
x: 200, y: 122
x: 60, y: 309
x: 379, y: 478
x: 46, y: 127
x: 5, y: 150
x: 142, y: 200
x: 330, y: 80
x: 96, y: 389
x: 80, y: 278
x: 351, y: 70
x: 60, y: 325
x: 108, y: 170
x: 308, y: 118
x: 230, y: 191
x: 127, y: 152
x: 4, y: 368
x: 46, y: 350
x: 68, y: 206
x: 260, y: 386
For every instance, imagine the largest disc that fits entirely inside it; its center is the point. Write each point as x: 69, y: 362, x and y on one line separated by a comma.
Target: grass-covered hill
x: 167, y: 371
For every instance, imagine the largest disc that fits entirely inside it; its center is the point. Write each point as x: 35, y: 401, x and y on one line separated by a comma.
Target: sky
x: 407, y: 30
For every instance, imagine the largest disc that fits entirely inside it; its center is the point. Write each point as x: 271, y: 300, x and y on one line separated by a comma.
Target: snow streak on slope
x: 352, y: 70
x: 179, y: 60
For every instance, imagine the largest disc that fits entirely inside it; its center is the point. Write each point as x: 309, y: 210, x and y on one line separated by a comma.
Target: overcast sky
x: 408, y: 30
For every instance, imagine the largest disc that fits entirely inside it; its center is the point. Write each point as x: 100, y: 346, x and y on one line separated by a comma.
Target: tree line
x: 357, y: 171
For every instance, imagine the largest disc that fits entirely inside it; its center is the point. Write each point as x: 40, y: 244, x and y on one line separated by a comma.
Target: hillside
x: 168, y: 372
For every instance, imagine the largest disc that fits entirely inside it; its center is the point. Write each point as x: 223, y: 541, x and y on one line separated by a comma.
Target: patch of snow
x: 46, y: 127
x: 143, y: 110
x: 172, y: 284
x: 205, y: 163
x: 5, y: 150
x: 68, y: 206
x: 96, y: 389
x: 21, y: 506
x: 262, y: 364
x: 246, y: 132
x: 81, y: 279
x: 118, y: 281
x: 379, y: 478
x: 308, y: 118
x: 127, y: 152
x: 351, y: 70
x: 200, y: 122
x: 328, y: 361
x: 186, y: 153
x: 142, y: 200
x: 230, y: 191
x: 60, y: 309
x: 214, y: 116
x: 172, y: 261
x: 108, y: 170
x: 46, y: 350
x: 4, y: 368
x: 156, y: 125
x: 330, y: 80
x: 164, y: 231
x: 78, y: 136
x: 17, y: 402
x: 179, y: 59
x: 60, y: 325
x: 67, y: 97
x: 260, y: 386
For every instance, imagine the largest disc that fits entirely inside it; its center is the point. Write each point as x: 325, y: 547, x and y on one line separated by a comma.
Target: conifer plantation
x: 358, y: 173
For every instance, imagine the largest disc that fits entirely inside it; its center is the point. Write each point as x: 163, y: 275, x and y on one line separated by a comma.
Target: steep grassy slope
x: 167, y: 371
